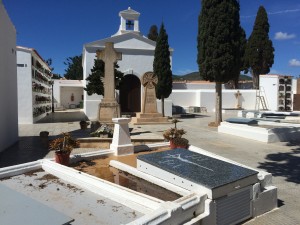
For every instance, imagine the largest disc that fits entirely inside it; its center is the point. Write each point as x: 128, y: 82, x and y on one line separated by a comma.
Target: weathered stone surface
x: 109, y: 108
x: 149, y: 114
x: 108, y: 111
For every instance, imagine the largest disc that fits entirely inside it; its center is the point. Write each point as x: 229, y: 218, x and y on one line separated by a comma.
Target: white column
x: 121, y: 142
x: 123, y: 24
x: 136, y: 25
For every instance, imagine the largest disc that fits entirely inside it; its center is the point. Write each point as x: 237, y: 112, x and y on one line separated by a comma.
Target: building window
x: 129, y: 24
x: 21, y: 65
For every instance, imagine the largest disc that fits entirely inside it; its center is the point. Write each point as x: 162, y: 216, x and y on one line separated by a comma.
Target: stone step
x: 156, y: 119
x: 148, y: 115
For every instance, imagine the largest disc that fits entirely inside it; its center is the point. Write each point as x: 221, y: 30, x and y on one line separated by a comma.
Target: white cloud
x: 183, y: 72
x: 284, y: 36
x: 287, y: 11
x: 284, y: 11
x: 294, y: 62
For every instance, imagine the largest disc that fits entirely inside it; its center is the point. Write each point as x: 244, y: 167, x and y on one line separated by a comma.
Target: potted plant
x: 180, y: 142
x: 83, y: 124
x: 63, y: 146
x: 104, y: 131
x: 172, y: 133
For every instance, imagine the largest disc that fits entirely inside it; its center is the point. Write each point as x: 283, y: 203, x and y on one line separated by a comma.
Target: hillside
x: 196, y: 76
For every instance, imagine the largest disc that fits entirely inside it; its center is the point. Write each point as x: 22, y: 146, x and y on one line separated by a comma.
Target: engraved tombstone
x: 149, y: 80
x: 109, y: 108
x: 149, y: 114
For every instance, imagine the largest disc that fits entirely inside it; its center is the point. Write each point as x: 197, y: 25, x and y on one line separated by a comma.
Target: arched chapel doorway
x: 130, y: 95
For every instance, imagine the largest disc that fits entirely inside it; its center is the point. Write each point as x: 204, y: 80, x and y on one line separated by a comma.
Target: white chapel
x: 137, y: 59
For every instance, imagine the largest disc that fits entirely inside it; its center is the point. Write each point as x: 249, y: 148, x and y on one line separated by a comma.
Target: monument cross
x: 238, y: 95
x: 109, y: 56
x: 109, y: 108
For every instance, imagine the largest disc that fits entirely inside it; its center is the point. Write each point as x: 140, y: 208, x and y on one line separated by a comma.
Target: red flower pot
x: 172, y: 145
x: 62, y: 158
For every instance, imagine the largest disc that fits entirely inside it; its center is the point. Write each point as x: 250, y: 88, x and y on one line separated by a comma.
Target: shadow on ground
x: 64, y: 116
x: 32, y: 148
x: 284, y: 164
x: 27, y: 149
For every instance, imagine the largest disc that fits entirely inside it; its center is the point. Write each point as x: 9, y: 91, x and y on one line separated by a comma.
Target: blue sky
x: 58, y: 29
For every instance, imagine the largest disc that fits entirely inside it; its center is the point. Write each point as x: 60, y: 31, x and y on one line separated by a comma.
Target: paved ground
x: 280, y: 159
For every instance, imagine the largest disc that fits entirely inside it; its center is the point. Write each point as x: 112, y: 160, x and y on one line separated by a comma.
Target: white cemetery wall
x: 8, y: 86
x: 91, y: 102
x: 168, y: 107
x: 206, y: 98
x: 185, y: 98
x: 56, y: 94
x: 195, y: 86
x: 24, y: 88
x: 71, y: 96
x: 62, y: 88
x: 268, y: 85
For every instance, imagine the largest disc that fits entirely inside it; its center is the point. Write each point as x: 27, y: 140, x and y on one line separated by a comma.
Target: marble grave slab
x: 192, y: 170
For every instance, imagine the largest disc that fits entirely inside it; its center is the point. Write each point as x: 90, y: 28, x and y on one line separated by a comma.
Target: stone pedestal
x: 149, y: 118
x: 107, y: 111
x: 121, y: 143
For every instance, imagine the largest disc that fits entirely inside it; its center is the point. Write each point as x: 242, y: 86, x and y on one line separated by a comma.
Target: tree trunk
x: 218, y: 113
x: 163, y: 106
x: 255, y: 79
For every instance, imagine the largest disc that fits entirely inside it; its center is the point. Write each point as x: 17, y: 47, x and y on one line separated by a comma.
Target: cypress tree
x: 95, y: 83
x: 153, y: 33
x: 162, y: 67
x: 219, y: 44
x: 259, y: 54
x: 74, y: 70
x: 240, y: 63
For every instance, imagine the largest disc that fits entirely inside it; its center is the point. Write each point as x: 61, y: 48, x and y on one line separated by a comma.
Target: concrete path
x: 280, y: 159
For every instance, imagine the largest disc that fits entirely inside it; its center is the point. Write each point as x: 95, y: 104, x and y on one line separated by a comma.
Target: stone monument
x: 109, y: 108
x: 149, y: 114
x: 238, y: 95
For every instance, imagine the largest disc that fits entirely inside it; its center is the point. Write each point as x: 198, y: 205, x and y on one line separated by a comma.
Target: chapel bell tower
x: 129, y: 21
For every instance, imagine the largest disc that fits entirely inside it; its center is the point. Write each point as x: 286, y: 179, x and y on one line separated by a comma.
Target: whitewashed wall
x: 131, y: 63
x: 91, y: 102
x: 195, y: 86
x: 62, y: 91
x: 206, y: 98
x: 24, y: 87
x: 67, y: 92
x: 8, y: 84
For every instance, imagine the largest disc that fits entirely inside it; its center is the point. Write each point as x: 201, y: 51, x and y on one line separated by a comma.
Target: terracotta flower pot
x: 62, y: 158
x: 172, y: 145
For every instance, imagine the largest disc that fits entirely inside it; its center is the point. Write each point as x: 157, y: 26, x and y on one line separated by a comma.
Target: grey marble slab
x: 198, y: 168
x: 241, y: 120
